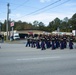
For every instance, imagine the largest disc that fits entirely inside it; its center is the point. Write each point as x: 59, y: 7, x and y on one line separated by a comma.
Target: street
x: 16, y: 59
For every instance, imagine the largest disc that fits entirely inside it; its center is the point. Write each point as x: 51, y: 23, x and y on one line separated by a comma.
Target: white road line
x: 40, y: 58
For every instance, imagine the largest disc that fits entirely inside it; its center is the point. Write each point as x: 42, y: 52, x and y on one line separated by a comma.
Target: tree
x: 28, y: 26
x: 50, y: 27
x: 73, y: 22
x: 64, y: 25
x: 41, y: 26
x: 74, y: 16
x: 53, y: 25
x: 65, y: 19
x: 4, y: 26
x: 35, y: 24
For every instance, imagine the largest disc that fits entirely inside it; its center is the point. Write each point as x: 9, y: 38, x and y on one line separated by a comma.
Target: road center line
x: 39, y: 58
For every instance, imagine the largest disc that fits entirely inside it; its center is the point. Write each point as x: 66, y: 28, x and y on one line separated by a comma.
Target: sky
x: 41, y: 10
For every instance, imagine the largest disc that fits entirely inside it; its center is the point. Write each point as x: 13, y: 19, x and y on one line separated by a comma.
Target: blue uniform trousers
x: 71, y: 45
x: 37, y: 44
x: 62, y: 45
x: 53, y: 45
x: 42, y: 45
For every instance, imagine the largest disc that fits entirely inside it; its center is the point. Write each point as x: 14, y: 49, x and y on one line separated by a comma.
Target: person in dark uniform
x: 65, y: 41
x: 28, y: 42
x: 71, y: 42
x: 38, y: 43
x: 49, y: 43
x: 2, y: 38
x: 53, y: 43
x: 33, y: 42
x: 43, y: 44
x: 57, y: 41
x: 61, y: 43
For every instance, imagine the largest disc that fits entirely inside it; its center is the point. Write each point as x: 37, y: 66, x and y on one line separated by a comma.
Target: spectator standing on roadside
x: 2, y: 38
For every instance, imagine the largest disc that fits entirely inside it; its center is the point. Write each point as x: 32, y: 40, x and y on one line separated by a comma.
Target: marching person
x: 28, y: 42
x: 33, y: 42
x: 0, y: 45
x: 53, y: 43
x: 38, y: 43
x: 71, y: 42
x: 57, y: 41
x: 61, y: 43
x: 43, y: 44
x: 65, y: 41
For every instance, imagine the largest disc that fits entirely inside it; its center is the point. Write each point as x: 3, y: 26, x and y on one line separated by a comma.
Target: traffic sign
x: 12, y: 24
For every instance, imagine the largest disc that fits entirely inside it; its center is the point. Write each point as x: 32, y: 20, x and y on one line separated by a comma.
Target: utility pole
x: 8, y: 11
x: 9, y: 27
x: 0, y: 28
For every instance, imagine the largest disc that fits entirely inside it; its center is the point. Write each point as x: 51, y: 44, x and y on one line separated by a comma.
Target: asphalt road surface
x: 16, y: 59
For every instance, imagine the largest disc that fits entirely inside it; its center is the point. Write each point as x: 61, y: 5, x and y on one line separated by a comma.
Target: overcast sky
x: 41, y: 10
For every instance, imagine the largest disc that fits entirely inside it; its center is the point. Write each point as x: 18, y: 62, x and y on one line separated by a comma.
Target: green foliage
x: 64, y: 25
x: 3, y: 26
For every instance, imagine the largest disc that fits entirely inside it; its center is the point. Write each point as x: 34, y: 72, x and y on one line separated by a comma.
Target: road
x: 16, y: 59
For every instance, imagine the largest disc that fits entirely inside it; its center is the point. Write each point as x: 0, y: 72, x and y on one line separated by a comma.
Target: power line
x: 15, y: 4
x: 44, y: 7
x: 41, y: 8
x: 60, y: 4
x: 20, y: 5
x: 55, y: 6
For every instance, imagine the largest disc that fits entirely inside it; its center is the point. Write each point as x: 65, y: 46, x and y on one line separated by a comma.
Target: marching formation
x: 50, y: 41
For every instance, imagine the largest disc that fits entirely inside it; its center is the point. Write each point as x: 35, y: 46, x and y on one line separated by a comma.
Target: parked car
x: 16, y: 36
